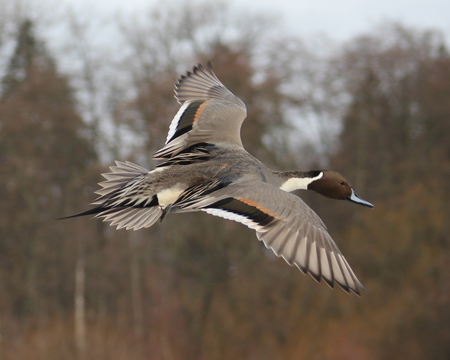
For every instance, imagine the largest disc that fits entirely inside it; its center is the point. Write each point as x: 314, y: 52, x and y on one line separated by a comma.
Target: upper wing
x: 286, y: 225
x: 210, y: 113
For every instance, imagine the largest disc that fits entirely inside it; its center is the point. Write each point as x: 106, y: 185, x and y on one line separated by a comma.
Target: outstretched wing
x: 286, y: 225
x: 209, y: 113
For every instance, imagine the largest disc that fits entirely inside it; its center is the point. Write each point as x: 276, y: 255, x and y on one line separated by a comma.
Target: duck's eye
x: 342, y: 183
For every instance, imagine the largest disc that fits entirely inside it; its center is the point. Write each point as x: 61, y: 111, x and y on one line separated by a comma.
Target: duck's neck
x: 299, y: 180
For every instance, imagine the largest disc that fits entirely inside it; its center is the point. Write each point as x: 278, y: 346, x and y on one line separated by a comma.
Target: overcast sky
x: 340, y: 19
x: 344, y: 18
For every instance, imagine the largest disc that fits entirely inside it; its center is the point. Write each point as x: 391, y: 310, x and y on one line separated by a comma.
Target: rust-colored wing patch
x: 260, y: 208
x: 187, y: 117
x: 250, y: 209
x: 200, y: 111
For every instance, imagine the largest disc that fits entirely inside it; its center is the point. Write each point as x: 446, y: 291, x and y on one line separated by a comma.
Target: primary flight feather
x: 204, y: 167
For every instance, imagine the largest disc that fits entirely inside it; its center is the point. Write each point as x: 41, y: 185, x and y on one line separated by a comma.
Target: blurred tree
x: 389, y: 122
x: 198, y: 287
x: 45, y: 165
x: 394, y: 145
x: 201, y: 262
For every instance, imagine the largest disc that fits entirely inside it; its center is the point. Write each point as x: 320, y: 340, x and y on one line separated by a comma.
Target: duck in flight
x: 204, y: 167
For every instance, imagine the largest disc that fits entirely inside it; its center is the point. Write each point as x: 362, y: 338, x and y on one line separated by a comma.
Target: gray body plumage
x: 204, y: 167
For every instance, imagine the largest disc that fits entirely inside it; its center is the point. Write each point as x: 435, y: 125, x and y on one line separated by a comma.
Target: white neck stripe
x: 299, y: 183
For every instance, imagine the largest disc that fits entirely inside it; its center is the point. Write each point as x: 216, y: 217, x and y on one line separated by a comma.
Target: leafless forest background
x: 78, y: 92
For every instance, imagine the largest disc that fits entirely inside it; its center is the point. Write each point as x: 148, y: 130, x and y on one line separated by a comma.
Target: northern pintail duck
x: 205, y: 168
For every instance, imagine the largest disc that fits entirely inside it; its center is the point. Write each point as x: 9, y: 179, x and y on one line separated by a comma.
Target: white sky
x: 339, y: 19
x: 344, y: 18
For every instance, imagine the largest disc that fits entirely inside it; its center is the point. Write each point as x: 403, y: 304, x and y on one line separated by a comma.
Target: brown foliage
x: 198, y: 287
x: 390, y: 145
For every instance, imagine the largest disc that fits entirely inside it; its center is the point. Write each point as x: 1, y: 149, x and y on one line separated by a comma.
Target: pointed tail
x: 121, y: 200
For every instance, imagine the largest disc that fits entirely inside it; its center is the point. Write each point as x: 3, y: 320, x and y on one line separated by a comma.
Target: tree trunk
x: 136, y: 289
x: 80, y: 317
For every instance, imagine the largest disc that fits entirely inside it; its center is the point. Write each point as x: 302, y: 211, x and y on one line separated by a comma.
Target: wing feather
x: 209, y: 113
x: 124, y: 199
x: 287, y: 226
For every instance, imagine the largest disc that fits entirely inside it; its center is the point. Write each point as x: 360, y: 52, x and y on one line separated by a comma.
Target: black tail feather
x: 92, y: 211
